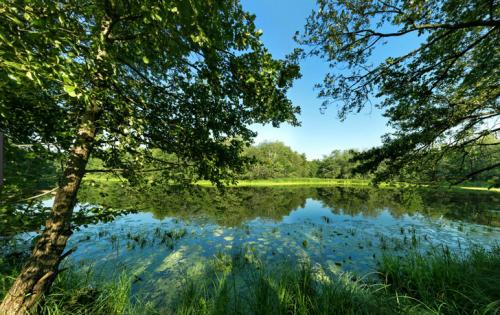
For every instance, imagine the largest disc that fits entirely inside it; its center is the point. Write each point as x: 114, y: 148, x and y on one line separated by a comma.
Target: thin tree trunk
x: 42, y: 267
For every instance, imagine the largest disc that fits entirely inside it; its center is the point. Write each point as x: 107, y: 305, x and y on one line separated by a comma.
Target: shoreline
x: 315, y: 182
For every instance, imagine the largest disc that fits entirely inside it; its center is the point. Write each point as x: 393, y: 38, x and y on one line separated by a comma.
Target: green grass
x: 305, y: 182
x: 442, y: 283
x: 262, y: 182
x: 285, y: 290
x: 75, y: 292
x: 296, y: 182
x: 431, y: 283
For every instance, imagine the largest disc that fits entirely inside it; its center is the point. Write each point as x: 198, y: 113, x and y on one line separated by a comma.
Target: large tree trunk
x: 42, y: 267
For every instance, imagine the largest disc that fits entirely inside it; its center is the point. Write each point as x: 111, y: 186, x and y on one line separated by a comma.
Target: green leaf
x: 13, y: 77
x: 70, y: 89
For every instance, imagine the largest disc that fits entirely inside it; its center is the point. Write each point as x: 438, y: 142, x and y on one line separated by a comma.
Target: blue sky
x: 319, y: 133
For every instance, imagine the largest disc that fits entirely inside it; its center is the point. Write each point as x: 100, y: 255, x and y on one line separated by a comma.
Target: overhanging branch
x: 470, y: 175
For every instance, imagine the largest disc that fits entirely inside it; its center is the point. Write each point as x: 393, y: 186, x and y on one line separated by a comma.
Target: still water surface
x: 174, y: 235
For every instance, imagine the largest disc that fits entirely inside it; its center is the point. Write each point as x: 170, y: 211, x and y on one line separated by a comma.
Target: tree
x: 337, y: 165
x: 440, y: 98
x: 454, y: 167
x: 275, y: 160
x: 117, y: 79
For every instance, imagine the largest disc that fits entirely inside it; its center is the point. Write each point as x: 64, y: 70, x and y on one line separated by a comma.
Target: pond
x: 174, y: 235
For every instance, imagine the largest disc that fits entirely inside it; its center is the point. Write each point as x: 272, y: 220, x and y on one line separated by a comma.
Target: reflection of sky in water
x: 339, y: 241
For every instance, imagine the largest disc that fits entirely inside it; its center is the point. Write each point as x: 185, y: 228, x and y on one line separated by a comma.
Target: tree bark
x: 42, y: 267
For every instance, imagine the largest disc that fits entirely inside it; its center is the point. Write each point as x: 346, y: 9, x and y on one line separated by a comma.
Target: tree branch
x: 470, y: 175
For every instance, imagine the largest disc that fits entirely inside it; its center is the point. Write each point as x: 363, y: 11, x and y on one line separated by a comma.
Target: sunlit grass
x: 296, y: 182
x: 303, y: 182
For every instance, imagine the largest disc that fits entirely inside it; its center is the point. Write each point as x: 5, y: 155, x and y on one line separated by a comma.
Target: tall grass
x: 76, y: 293
x: 444, y: 283
x: 251, y: 288
x: 432, y: 283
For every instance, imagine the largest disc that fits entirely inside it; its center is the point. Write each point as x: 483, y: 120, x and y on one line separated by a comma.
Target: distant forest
x: 276, y: 160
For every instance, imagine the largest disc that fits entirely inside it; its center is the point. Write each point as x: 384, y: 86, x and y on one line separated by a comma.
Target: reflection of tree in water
x: 233, y: 206
x: 230, y: 207
x: 477, y: 207
x: 354, y: 201
x: 239, y: 204
x: 236, y: 205
x: 480, y: 207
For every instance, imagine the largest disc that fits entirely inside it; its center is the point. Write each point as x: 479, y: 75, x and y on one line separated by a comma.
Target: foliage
x: 118, y: 80
x: 338, y: 164
x: 275, y: 160
x: 183, y: 77
x: 441, y: 98
x: 26, y: 170
x: 454, y: 167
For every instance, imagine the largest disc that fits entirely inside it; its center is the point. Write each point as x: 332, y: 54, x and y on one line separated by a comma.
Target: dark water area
x: 174, y: 235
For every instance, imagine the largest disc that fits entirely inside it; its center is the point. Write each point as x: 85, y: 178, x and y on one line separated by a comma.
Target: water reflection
x: 237, y: 205
x: 175, y: 232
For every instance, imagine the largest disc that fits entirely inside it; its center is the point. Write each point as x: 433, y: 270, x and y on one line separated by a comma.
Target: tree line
x: 277, y: 160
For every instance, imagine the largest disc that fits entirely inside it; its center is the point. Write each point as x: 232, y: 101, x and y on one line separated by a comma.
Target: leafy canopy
x: 440, y: 98
x: 183, y: 77
x: 338, y: 164
x: 275, y: 160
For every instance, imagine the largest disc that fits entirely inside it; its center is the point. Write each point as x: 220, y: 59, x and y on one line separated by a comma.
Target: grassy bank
x: 310, y: 182
x: 432, y: 283
x: 264, y: 182
x: 297, y: 182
